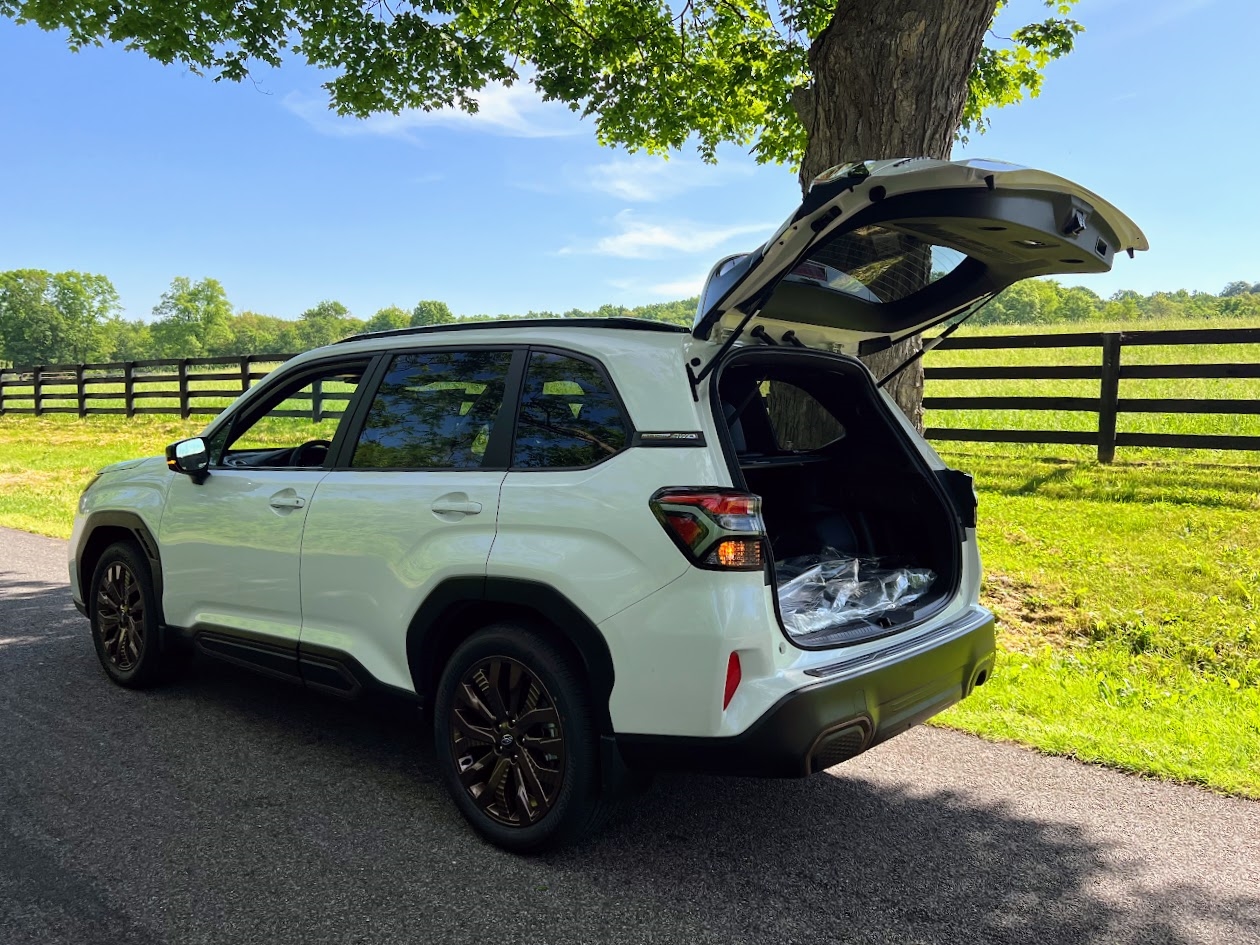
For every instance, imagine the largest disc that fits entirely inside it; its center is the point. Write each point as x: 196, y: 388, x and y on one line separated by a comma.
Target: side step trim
x: 316, y: 667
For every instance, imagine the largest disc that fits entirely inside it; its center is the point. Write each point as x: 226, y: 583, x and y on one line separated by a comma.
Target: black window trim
x: 500, y: 445
x: 281, y: 377
x: 631, y: 430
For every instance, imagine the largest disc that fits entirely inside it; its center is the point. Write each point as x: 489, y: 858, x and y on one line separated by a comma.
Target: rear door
x: 413, y: 499
x: 880, y: 251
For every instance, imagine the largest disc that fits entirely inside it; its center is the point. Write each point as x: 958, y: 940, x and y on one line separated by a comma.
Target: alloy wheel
x: 120, y: 616
x: 507, y: 741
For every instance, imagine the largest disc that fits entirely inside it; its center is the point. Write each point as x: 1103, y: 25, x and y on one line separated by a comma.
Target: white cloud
x: 642, y: 239
x: 514, y: 111
x: 679, y: 288
x: 645, y: 178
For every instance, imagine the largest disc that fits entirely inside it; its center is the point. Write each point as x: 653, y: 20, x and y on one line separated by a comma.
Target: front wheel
x: 124, y: 615
x: 515, y: 740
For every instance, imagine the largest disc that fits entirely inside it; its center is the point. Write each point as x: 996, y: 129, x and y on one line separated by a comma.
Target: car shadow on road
x: 836, y: 857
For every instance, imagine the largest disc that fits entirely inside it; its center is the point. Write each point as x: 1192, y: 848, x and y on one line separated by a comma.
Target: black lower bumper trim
x: 860, y: 705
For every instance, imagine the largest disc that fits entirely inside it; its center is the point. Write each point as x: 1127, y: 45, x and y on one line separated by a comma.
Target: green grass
x: 46, y: 461
x: 1128, y: 595
x: 1128, y: 599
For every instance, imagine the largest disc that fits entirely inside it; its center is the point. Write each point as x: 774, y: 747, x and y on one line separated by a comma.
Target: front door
x: 231, y: 543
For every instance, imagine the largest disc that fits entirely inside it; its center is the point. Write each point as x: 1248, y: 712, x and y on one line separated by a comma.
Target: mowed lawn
x: 1128, y: 595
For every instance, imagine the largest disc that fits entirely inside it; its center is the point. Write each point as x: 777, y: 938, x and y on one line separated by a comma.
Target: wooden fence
x: 1109, y: 371
x: 127, y: 388
x: 181, y: 386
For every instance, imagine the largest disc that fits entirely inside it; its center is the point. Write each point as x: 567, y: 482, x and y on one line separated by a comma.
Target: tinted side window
x: 568, y: 417
x: 433, y: 410
x: 298, y: 425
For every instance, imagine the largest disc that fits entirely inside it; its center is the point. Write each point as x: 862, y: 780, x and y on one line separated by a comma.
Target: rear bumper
x: 855, y: 704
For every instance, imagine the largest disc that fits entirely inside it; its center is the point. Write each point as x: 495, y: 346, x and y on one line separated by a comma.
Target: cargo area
x: 864, y: 539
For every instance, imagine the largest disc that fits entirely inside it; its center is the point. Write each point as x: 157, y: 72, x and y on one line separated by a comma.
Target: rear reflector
x: 733, y: 676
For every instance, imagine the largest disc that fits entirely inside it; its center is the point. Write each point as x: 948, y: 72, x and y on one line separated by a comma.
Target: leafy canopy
x: 652, y: 73
x: 48, y: 317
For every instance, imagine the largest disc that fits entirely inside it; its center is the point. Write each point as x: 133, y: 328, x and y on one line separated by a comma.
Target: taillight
x: 714, y: 528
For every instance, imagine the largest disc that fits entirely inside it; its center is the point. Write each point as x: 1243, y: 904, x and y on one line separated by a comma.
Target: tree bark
x: 890, y: 80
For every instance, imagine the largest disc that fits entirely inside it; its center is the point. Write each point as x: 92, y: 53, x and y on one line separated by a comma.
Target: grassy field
x: 1128, y: 595
x: 1128, y: 599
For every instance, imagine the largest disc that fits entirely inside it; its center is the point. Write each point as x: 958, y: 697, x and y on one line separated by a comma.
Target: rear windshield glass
x: 878, y: 264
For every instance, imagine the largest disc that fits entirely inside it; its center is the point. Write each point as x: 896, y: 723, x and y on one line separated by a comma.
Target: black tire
x: 128, y: 645
x: 482, y: 752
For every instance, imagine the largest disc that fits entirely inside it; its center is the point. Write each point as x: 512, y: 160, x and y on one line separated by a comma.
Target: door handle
x: 282, y: 501
x: 456, y: 503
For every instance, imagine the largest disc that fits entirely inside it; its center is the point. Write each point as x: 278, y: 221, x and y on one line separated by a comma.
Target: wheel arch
x: 458, y: 607
x: 103, y: 529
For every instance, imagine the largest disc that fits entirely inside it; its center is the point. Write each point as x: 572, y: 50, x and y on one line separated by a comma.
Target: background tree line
x: 50, y: 318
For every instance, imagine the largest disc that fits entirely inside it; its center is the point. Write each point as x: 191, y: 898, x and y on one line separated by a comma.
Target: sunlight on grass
x: 46, y: 461
x: 1128, y: 599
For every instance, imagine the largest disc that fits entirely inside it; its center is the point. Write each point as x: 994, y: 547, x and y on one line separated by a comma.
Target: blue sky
x: 112, y: 163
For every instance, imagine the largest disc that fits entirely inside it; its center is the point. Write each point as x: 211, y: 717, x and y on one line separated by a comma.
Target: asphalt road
x: 227, y: 808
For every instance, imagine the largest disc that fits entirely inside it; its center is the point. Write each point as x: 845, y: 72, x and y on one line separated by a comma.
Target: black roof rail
x: 633, y: 324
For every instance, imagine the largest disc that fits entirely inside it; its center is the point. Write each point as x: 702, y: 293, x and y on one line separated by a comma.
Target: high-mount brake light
x: 719, y: 529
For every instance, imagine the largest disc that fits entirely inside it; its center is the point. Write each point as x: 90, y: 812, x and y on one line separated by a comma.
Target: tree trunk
x: 890, y: 80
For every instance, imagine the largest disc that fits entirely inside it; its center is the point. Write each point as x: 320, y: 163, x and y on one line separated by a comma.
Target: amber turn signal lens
x: 738, y: 553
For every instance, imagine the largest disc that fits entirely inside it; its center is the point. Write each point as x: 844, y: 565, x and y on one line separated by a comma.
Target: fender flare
x: 437, y: 628
x: 130, y: 522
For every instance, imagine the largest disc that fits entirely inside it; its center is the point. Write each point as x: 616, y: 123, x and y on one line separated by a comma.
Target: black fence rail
x: 182, y: 387
x: 1109, y: 372
x: 156, y: 386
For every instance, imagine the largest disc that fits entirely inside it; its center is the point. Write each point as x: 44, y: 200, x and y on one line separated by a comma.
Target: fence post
x: 244, y: 373
x: 37, y: 386
x: 129, y: 387
x: 317, y: 400
x: 80, y: 389
x: 2, y: 373
x: 1109, y: 393
x: 183, y: 387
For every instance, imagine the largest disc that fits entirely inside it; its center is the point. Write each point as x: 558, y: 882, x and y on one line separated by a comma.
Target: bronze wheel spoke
x: 547, y: 744
x: 466, y: 732
x: 550, y: 776
x: 109, y: 639
x: 468, y: 696
x: 518, y: 687
x: 492, y: 691
x: 533, y: 788
x: 133, y: 644
x: 542, y: 716
x: 530, y: 807
x: 477, y: 772
x: 490, y: 791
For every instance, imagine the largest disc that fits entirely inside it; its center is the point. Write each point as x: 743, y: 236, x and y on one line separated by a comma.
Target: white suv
x: 597, y: 548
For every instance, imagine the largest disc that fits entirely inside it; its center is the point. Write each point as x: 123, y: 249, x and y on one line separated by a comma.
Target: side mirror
x: 190, y: 457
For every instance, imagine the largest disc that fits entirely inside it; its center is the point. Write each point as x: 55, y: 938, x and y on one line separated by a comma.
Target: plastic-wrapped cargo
x: 819, y: 592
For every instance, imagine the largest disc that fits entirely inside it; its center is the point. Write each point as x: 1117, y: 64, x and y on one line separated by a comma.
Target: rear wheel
x: 515, y: 740
x: 124, y: 615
